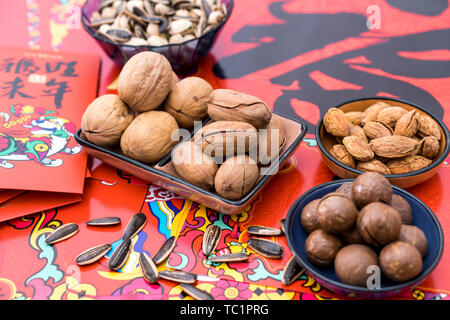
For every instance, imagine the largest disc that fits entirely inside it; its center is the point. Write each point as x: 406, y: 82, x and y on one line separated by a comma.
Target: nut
x: 352, y: 262
x: 354, y: 117
x: 379, y: 224
x: 373, y: 165
x: 408, y: 124
x: 393, y: 146
x: 226, y: 104
x: 408, y: 164
x: 359, y: 149
x: 342, y: 155
x: 371, y: 113
x: 270, y: 141
x: 428, y: 127
x: 415, y: 236
x: 321, y: 247
x: 390, y: 115
x: 371, y: 187
x: 105, y: 119
x: 224, y: 138
x: 403, y: 208
x: 236, y: 177
x: 145, y: 81
x: 336, y: 123
x: 149, y: 136
x: 193, y: 165
x: 186, y: 101
x: 400, y: 261
x: 309, y: 218
x: 377, y: 129
x: 359, y: 132
x: 336, y: 213
x: 429, y: 147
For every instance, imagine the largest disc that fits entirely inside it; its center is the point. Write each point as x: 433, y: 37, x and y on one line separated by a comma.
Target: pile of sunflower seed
x: 156, y: 22
x: 186, y: 280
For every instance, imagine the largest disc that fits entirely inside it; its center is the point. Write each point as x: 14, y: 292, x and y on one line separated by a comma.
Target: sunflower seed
x: 118, y: 34
x: 148, y: 268
x: 264, y: 231
x: 291, y: 271
x: 232, y: 257
x: 61, y: 233
x: 93, y: 254
x: 136, y: 224
x: 266, y: 248
x: 195, y: 292
x: 178, y: 276
x: 211, y: 238
x: 106, y: 221
x: 165, y: 250
x: 98, y: 22
x: 120, y: 256
x: 283, y: 225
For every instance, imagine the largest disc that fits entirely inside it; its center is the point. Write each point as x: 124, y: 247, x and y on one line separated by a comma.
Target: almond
x: 336, y: 123
x: 428, y: 127
x: 377, y: 129
x: 408, y: 124
x: 359, y: 149
x: 373, y: 166
x: 408, y: 164
x: 342, y: 155
x: 393, y: 146
x: 391, y: 115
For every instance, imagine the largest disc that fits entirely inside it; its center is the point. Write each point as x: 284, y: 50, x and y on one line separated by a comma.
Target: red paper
x: 42, y: 98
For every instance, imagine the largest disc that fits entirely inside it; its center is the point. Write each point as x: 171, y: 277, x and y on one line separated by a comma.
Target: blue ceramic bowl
x: 423, y: 218
x: 183, y: 56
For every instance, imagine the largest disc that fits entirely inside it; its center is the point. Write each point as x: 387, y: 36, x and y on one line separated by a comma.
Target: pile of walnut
x: 385, y: 139
x: 362, y: 227
x: 152, y: 104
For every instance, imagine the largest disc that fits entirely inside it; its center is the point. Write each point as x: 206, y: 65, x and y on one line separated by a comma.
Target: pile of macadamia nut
x: 152, y: 108
x: 362, y: 226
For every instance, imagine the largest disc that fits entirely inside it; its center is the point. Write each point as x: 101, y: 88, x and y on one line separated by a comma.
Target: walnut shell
x: 225, y: 138
x: 193, y: 165
x: 105, y: 119
x: 149, y: 136
x: 226, y: 104
x: 186, y: 101
x: 236, y: 177
x: 336, y: 123
x: 145, y: 81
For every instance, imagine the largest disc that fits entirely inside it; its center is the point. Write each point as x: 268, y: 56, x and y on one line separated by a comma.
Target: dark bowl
x: 406, y: 180
x: 182, y: 56
x: 423, y: 218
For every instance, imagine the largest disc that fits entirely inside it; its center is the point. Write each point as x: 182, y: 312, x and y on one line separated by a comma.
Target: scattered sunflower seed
x: 136, y: 224
x: 93, y: 254
x: 178, y: 276
x: 291, y: 271
x: 148, y: 267
x: 165, y: 250
x: 120, y: 255
x: 211, y: 238
x: 61, y: 233
x: 195, y: 292
x: 283, y: 225
x: 106, y: 221
x: 232, y: 257
x: 264, y: 231
x: 265, y: 247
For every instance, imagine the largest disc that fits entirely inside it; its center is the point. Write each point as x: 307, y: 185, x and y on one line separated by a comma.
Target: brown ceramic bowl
x: 163, y: 173
x: 325, y: 141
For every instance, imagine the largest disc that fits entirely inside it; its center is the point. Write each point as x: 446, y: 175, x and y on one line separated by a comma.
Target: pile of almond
x: 384, y: 138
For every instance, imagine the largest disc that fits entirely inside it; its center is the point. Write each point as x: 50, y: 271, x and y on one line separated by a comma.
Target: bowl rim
x: 239, y: 202
x: 352, y: 288
x: 84, y: 19
x: 436, y: 163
